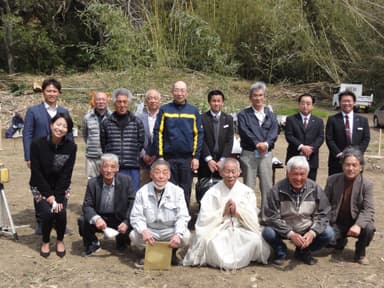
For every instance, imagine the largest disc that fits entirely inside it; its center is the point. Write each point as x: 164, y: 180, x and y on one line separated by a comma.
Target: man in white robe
x: 227, y: 230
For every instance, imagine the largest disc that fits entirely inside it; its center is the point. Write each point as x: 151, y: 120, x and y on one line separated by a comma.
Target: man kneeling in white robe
x: 227, y: 229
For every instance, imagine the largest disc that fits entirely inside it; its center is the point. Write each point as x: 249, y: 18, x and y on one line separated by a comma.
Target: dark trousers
x: 88, y: 231
x: 312, y: 174
x: 275, y: 240
x: 182, y: 174
x: 48, y: 219
x: 363, y: 240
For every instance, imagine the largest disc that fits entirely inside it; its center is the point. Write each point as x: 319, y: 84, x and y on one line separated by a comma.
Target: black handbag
x: 203, y: 185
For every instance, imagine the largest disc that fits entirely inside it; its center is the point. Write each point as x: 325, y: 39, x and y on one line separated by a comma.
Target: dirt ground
x: 21, y: 265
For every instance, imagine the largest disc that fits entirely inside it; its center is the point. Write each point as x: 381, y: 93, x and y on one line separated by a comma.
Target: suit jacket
x: 296, y: 134
x: 123, y: 198
x: 148, y: 140
x: 225, y: 140
x: 336, y: 139
x: 362, y: 208
x: 37, y: 125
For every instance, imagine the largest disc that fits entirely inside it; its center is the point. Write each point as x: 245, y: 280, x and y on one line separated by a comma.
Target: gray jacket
x: 362, y: 208
x: 286, y: 212
x: 91, y: 133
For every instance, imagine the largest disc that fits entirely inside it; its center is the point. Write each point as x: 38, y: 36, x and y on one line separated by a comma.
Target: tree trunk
x: 8, y: 38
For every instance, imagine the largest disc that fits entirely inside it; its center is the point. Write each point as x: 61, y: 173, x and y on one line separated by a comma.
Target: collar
x: 49, y: 107
x: 259, y: 112
x: 112, y: 185
x: 303, y: 116
x: 350, y: 114
x: 218, y: 114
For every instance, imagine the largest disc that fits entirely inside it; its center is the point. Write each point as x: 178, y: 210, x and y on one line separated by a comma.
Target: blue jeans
x: 276, y: 241
x: 135, y: 176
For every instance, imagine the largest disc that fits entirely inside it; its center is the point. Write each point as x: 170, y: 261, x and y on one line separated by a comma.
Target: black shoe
x: 44, y: 254
x: 280, y: 261
x: 306, y: 257
x: 91, y: 249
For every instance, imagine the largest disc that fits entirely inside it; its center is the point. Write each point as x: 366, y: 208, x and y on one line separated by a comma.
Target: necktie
x: 305, y: 122
x: 216, y: 127
x: 347, y: 130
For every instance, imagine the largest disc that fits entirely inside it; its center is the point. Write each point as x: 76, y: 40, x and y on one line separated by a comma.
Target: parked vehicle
x: 378, y: 117
x: 363, y: 102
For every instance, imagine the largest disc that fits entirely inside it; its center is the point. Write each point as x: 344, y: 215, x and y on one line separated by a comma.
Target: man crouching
x: 107, y: 203
x: 297, y: 210
x: 160, y: 212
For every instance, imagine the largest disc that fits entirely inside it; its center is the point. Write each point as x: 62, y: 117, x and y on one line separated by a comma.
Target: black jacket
x: 123, y: 137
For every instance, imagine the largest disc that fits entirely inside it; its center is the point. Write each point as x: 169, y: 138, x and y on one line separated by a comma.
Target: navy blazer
x: 296, y: 134
x: 37, y: 125
x: 252, y: 133
x: 336, y: 139
x: 124, y: 197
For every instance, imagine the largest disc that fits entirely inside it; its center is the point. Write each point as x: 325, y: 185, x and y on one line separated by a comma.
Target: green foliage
x: 120, y: 45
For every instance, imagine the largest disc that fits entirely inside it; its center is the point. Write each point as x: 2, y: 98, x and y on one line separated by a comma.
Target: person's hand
x: 59, y: 207
x: 100, y: 224
x: 230, y: 208
x: 175, y: 241
x: 147, y: 237
x: 195, y: 164
x: 354, y: 231
x: 28, y: 164
x: 306, y: 150
x: 148, y: 159
x: 213, y: 166
x: 297, y: 239
x: 122, y: 228
x: 262, y: 147
x: 308, y: 239
x: 51, y: 199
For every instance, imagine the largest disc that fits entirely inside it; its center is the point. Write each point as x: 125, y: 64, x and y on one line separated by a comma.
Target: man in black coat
x: 107, y: 203
x: 218, y: 137
x: 305, y: 134
x: 345, y: 129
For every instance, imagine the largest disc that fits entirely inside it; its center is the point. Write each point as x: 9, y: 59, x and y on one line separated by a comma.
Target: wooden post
x: 380, y: 133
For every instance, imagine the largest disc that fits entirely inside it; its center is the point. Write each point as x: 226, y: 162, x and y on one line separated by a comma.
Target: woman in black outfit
x: 52, y: 161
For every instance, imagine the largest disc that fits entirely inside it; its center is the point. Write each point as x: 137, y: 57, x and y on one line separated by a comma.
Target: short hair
x: 109, y: 156
x: 307, y: 95
x: 214, y: 93
x: 230, y: 160
x: 347, y: 93
x: 121, y: 91
x: 160, y: 162
x: 353, y: 152
x: 149, y: 90
x: 257, y: 86
x: 67, y: 119
x: 51, y: 81
x: 297, y: 162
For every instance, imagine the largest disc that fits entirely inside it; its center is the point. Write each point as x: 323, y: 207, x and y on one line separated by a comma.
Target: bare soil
x: 21, y: 265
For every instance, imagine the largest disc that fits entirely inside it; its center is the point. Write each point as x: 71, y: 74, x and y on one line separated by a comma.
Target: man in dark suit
x: 37, y: 123
x: 345, y: 129
x: 217, y: 145
x: 305, y: 134
x: 147, y: 155
x: 107, y: 202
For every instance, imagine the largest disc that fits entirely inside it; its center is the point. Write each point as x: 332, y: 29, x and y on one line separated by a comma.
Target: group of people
x: 140, y: 170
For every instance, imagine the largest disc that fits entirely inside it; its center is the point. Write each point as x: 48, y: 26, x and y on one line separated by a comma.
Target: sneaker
x: 139, y: 263
x: 362, y: 260
x: 92, y: 249
x: 306, y: 257
x: 280, y: 261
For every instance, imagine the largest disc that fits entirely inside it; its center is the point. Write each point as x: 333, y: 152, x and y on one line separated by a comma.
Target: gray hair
x: 230, y: 160
x: 157, y: 92
x: 257, y: 86
x: 353, y: 152
x: 121, y: 91
x: 109, y: 156
x: 160, y: 162
x: 297, y: 162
